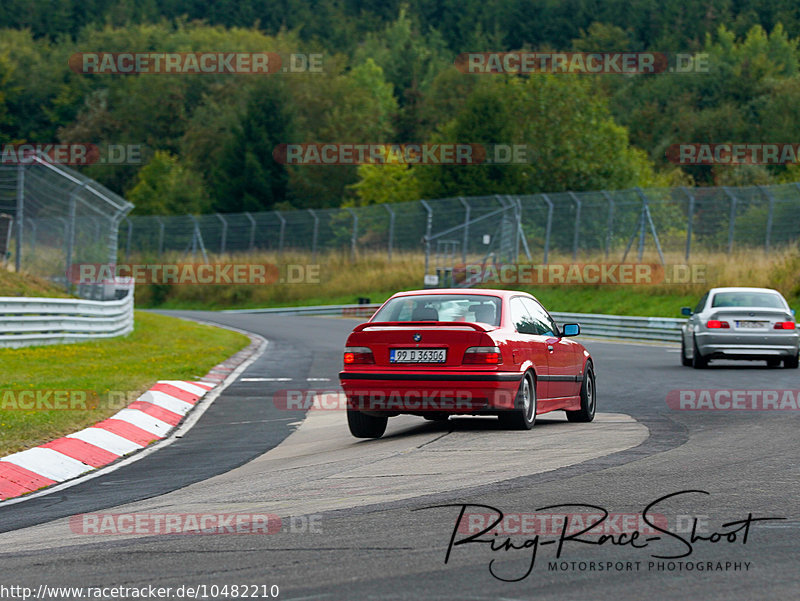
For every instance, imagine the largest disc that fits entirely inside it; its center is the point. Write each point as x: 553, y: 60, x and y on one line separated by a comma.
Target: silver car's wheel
x: 684, y: 360
x: 698, y: 361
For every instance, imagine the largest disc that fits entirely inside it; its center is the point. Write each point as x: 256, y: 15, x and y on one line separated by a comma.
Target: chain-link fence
x: 615, y: 224
x: 60, y: 219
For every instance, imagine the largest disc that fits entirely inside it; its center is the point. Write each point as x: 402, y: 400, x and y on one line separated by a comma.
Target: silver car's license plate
x: 751, y: 324
x: 417, y: 355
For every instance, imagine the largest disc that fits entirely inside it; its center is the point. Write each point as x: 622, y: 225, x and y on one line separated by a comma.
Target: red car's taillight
x: 715, y: 323
x: 483, y: 355
x: 784, y: 325
x: 354, y: 355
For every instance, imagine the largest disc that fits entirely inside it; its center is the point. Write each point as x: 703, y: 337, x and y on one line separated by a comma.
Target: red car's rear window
x: 442, y: 307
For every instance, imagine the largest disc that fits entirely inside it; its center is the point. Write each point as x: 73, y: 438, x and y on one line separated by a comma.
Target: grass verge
x: 23, y: 284
x: 112, y: 373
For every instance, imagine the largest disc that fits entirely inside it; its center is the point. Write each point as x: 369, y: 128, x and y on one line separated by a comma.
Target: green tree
x: 5, y: 77
x: 392, y: 182
x: 570, y: 138
x: 410, y: 57
x: 337, y: 106
x: 485, y: 120
x: 165, y: 187
x: 247, y: 177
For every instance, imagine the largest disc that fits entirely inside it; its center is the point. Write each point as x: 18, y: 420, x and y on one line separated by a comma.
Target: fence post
x: 517, y: 225
x: 160, y: 223
x: 354, y: 236
x: 19, y: 218
x: 467, y: 211
x: 689, y: 221
x: 732, y: 219
x: 646, y: 215
x: 128, y: 240
x: 549, y: 224
x: 576, y: 234
x: 252, y: 229
x: 428, y: 227
x: 34, y: 235
x: 391, y: 229
x: 223, y: 237
x: 642, y: 229
x: 70, y: 240
x: 520, y: 233
x: 194, y: 239
x: 113, y: 236
x: 198, y: 237
x: 71, y: 234
x: 771, y: 198
x: 314, y: 235
x: 610, y: 223
x: 282, y: 232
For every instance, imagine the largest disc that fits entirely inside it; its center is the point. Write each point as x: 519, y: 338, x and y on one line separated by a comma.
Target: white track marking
x: 108, y: 441
x: 48, y: 463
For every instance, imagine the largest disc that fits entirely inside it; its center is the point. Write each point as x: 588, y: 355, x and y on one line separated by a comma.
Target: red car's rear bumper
x: 425, y: 392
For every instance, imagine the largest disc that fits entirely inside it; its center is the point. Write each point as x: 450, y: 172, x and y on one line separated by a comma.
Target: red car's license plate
x: 417, y: 355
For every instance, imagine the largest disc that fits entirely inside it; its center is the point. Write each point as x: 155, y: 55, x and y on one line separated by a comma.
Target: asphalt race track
x: 377, y: 519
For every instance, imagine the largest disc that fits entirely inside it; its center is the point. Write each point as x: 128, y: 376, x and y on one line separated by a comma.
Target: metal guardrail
x: 35, y: 321
x: 341, y: 310
x: 665, y: 329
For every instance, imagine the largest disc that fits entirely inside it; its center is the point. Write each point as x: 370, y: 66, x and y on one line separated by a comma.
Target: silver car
x: 740, y: 323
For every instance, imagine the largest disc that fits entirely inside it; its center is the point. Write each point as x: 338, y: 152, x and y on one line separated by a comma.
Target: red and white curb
x: 147, y: 419
x: 150, y: 418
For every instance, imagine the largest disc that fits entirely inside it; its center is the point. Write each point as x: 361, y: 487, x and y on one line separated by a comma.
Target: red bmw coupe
x: 436, y: 353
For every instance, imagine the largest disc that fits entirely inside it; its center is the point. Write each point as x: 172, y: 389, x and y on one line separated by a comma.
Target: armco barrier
x: 33, y: 321
x: 664, y: 329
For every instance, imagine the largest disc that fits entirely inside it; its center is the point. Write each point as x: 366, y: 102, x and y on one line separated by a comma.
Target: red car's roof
x: 476, y: 291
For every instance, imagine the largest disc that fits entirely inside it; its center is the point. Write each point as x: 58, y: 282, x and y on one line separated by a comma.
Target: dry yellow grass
x: 329, y: 278
x: 342, y: 279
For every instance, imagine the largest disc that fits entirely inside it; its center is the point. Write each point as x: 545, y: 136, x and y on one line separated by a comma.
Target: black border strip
x: 439, y: 377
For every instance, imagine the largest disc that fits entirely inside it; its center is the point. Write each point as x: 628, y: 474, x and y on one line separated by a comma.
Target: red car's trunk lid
x: 392, y: 343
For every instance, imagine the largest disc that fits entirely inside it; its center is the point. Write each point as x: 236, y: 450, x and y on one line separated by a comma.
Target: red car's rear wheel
x: 365, y: 426
x: 588, y: 398
x: 523, y: 415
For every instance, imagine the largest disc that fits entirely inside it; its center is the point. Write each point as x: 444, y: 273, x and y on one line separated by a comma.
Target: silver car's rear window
x: 747, y: 299
x: 442, y: 307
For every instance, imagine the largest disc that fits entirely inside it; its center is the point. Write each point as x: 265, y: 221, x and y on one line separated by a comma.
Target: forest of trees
x: 388, y: 75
